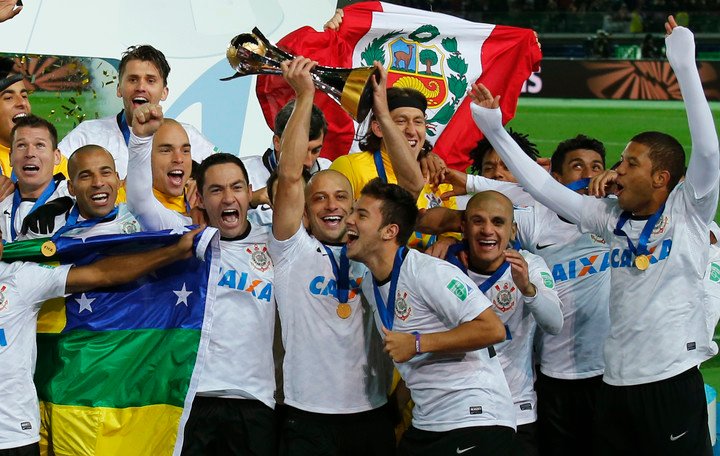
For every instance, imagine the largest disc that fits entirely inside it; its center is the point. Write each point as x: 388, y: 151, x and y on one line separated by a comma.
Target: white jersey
x: 514, y: 192
x: 711, y: 281
x: 580, y: 266
x: 450, y: 390
x: 239, y: 360
x: 332, y: 365
x: 23, y: 289
x: 105, y: 132
x: 23, y: 210
x: 259, y: 168
x: 521, y: 315
x: 124, y: 223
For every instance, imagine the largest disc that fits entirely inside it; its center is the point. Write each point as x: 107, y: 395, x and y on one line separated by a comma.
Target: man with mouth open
x: 40, y: 201
x: 14, y: 104
x: 232, y: 412
x: 657, y: 231
x: 522, y: 291
x: 438, y: 328
x: 336, y: 376
x: 143, y: 77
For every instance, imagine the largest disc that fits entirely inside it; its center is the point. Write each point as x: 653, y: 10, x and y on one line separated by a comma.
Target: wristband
x: 417, y: 344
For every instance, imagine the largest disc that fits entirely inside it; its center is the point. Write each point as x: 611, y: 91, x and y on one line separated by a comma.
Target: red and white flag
x: 438, y: 54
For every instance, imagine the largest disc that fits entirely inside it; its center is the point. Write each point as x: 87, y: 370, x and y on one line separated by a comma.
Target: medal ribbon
x: 579, y: 184
x: 72, y: 221
x: 644, y: 238
x: 490, y: 281
x: 17, y: 199
x: 380, y: 167
x: 124, y: 127
x: 452, y: 257
x: 387, y: 311
x: 342, y: 273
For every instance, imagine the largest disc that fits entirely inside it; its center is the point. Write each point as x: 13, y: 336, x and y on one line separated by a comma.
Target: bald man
x: 521, y: 288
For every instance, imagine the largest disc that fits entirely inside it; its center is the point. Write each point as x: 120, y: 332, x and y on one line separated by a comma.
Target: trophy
x: 252, y: 53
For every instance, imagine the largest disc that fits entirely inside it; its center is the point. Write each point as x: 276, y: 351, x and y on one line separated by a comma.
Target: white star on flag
x: 84, y: 302
x: 182, y: 295
x: 180, y: 230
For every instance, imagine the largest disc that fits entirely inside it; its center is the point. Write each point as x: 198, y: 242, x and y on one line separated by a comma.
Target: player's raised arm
x: 290, y: 197
x: 534, y: 179
x: 704, y: 167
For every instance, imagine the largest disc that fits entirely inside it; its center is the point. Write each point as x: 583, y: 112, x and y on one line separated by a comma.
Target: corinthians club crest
x: 426, y: 62
x: 402, y: 308
x: 504, y: 299
x: 259, y: 257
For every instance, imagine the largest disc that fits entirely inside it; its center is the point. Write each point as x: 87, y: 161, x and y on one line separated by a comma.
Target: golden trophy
x: 252, y: 53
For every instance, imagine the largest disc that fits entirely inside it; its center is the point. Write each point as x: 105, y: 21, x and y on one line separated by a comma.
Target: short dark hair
x: 578, y: 142
x: 666, y: 154
x: 395, y: 95
x: 398, y: 207
x: 146, y: 53
x: 218, y: 159
x: 33, y: 121
x: 318, y: 124
x: 477, y: 154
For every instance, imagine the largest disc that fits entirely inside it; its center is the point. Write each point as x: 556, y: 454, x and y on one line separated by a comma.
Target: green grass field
x: 549, y: 121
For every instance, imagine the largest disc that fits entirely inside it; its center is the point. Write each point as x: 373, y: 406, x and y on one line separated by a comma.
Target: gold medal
x: 344, y: 310
x: 48, y: 248
x: 642, y: 262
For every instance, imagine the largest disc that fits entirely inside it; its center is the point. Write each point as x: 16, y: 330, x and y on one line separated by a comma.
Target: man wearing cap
x: 407, y: 109
x: 14, y: 103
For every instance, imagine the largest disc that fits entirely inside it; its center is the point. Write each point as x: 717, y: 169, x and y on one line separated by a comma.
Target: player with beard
x: 335, y: 373
x: 142, y: 79
x: 233, y: 411
x: 657, y: 232
x: 436, y: 324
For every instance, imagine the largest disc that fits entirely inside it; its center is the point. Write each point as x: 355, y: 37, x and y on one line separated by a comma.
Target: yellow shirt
x: 7, y: 169
x: 174, y: 203
x: 360, y: 169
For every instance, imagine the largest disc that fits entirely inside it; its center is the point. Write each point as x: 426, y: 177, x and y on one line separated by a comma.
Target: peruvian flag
x: 437, y: 54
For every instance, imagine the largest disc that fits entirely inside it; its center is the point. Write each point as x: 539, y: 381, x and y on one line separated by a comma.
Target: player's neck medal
x: 344, y: 310
x: 642, y: 262
x: 641, y: 251
x: 342, y: 281
x: 48, y: 248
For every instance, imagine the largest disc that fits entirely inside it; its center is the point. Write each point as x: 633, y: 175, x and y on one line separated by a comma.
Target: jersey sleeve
x: 525, y: 220
x: 284, y: 253
x: 141, y: 202
x: 534, y: 179
x: 545, y: 305
x: 344, y: 165
x: 40, y: 283
x: 452, y: 295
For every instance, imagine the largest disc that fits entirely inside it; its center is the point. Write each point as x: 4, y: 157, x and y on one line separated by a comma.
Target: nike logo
x: 459, y: 451
x: 675, y: 437
x: 540, y: 247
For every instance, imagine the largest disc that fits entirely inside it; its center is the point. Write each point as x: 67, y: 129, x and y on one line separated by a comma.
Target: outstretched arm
x: 290, y: 197
x: 704, y: 167
x: 533, y: 178
x: 117, y: 270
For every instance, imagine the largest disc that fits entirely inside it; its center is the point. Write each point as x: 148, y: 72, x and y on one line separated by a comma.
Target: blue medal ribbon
x: 644, y: 238
x: 341, y: 272
x: 17, y: 200
x: 72, y: 221
x: 387, y: 311
x: 380, y: 167
x: 124, y: 127
x: 452, y: 257
x: 490, y: 281
x: 579, y: 184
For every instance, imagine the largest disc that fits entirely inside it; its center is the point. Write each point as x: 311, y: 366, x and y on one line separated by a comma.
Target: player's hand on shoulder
x: 440, y: 248
x: 42, y: 219
x: 147, y: 119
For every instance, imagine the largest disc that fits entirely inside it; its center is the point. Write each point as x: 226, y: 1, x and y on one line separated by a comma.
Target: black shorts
x: 470, y: 441
x: 566, y: 413
x: 229, y: 427
x: 368, y: 433
x: 27, y: 450
x: 526, y: 440
x: 667, y: 417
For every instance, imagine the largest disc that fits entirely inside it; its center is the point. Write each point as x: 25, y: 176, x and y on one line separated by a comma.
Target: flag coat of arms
x: 437, y: 54
x: 117, y: 368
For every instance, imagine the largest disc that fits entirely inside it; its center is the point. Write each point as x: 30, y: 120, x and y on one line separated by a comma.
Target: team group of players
x: 538, y: 320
